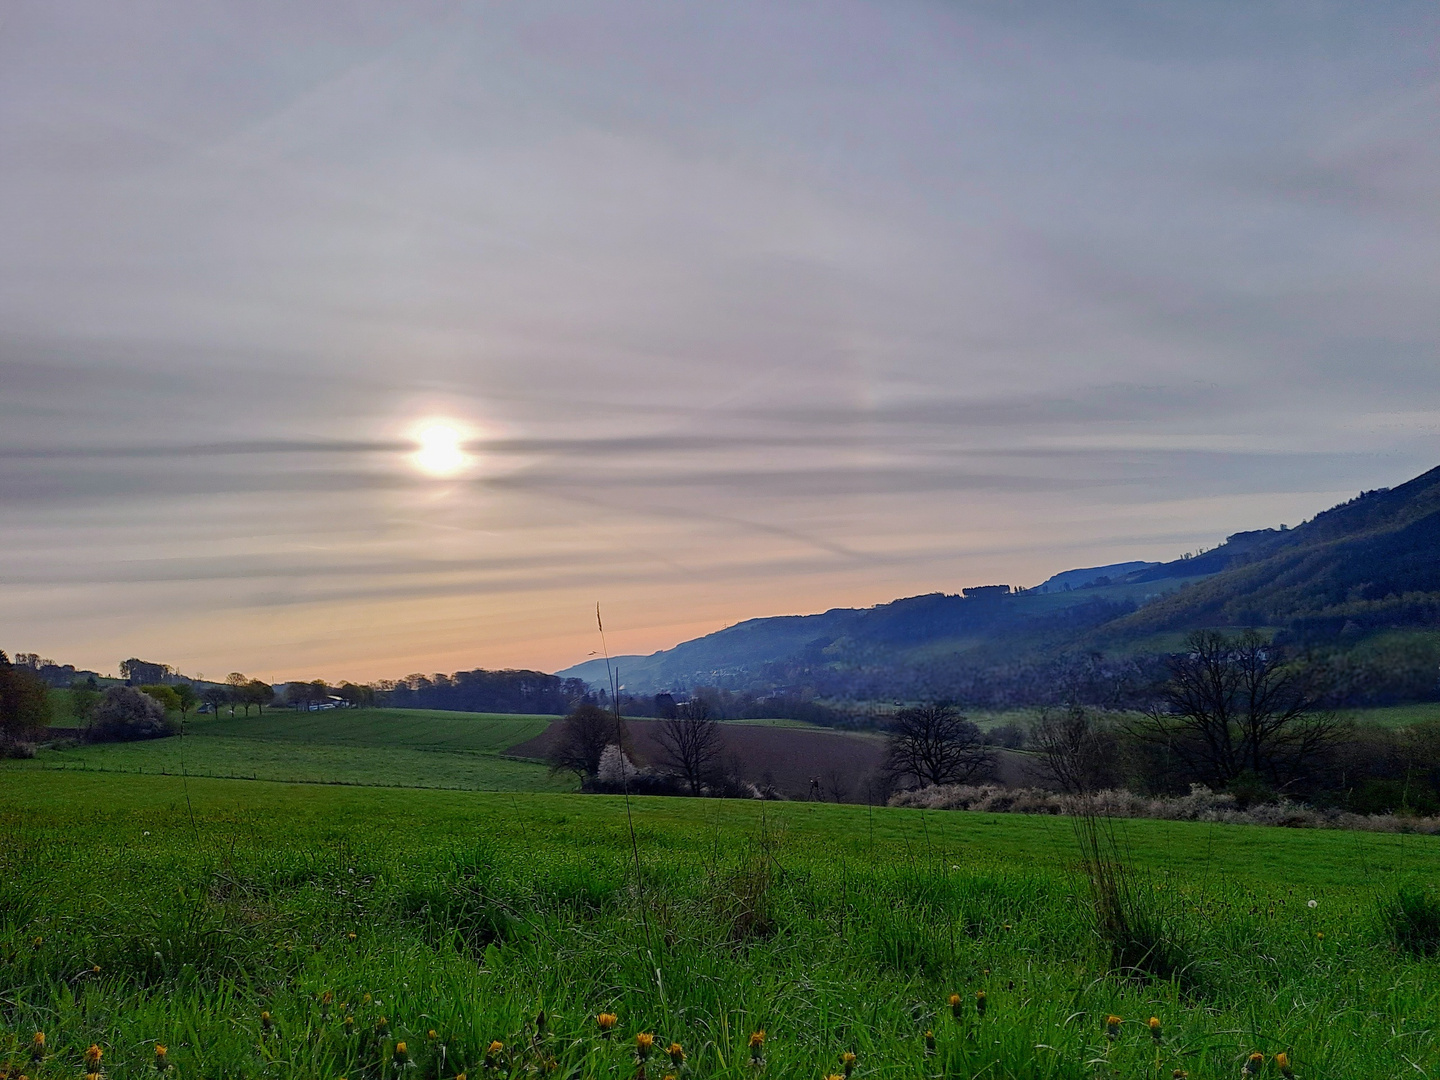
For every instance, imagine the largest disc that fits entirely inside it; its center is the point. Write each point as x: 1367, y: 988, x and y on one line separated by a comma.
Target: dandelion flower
x: 382, y: 1027
x: 37, y: 943
x: 1312, y: 903
x: 93, y: 1076
x: 1282, y: 1062
x: 401, y: 1055
x: 929, y: 1043
x: 1155, y: 1028
x: 955, y: 1006
x: 92, y: 1058
x: 267, y: 1022
x: 1112, y: 1027
x: 847, y: 1064
x: 980, y: 1002
x: 94, y: 969
x: 606, y: 1022
x: 1254, y: 1063
x: 677, y: 1054
x: 492, y: 1054
x: 351, y: 936
x: 349, y: 1025
x: 643, y: 1042
x: 162, y: 1059
x: 757, y: 1046
x: 1320, y: 936
x: 37, y: 1046
x: 833, y: 1076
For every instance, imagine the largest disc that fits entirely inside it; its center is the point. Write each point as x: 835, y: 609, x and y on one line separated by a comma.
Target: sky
x: 701, y: 312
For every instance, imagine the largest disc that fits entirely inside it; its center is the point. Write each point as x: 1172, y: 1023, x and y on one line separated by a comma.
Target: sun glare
x: 441, y: 451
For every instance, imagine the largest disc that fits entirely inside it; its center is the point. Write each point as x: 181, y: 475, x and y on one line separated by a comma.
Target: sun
x: 441, y: 451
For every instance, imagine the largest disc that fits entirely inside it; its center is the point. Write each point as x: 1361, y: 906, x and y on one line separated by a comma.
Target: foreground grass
x: 833, y: 928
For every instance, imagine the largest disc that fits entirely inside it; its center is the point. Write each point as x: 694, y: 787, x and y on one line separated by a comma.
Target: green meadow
x: 276, y: 930
x: 417, y: 748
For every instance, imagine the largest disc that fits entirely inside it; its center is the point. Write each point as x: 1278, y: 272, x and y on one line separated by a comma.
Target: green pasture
x: 143, y: 909
x: 1395, y: 716
x: 376, y: 747
x: 418, y: 729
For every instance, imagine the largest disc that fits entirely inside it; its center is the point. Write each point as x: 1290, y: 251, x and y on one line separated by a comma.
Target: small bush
x: 125, y: 714
x: 1411, y: 918
x: 16, y: 748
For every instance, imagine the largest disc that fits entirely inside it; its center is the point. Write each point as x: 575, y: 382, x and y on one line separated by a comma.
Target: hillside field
x: 145, y: 909
x: 418, y: 748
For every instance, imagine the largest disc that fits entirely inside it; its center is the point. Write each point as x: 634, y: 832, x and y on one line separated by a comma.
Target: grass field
x: 376, y: 747
x: 144, y: 909
x: 1395, y: 716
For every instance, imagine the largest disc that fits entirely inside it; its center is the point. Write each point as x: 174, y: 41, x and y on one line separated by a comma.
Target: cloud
x: 749, y: 308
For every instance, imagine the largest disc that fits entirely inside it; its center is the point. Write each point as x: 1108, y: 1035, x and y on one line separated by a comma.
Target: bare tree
x: 1076, y: 754
x: 1231, y: 707
x: 934, y: 744
x: 584, y: 735
x: 691, y: 743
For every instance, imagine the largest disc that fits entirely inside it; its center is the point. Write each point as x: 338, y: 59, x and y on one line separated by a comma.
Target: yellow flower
x: 402, y: 1055
x: 37, y: 1045
x: 606, y: 1022
x: 431, y: 1035
x: 677, y: 1054
x: 1112, y: 1027
x: 351, y: 936
x: 92, y: 1058
x: 266, y: 1021
x: 162, y: 1062
x: 382, y: 1027
x: 1320, y: 935
x: 955, y: 1006
x: 349, y: 1024
x: 1254, y: 1063
x: 980, y: 1002
x: 757, y: 1045
x: 495, y: 1049
x: 37, y: 943
x: 643, y: 1042
x: 1155, y: 1028
x: 1282, y: 1062
x: 929, y: 1042
x: 93, y: 1076
x: 847, y: 1063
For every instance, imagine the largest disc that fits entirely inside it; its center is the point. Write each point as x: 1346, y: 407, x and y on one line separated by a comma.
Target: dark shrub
x: 125, y: 714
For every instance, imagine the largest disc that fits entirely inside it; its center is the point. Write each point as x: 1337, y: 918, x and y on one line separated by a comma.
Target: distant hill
x: 1368, y: 564
x: 1339, y: 582
x: 1091, y: 576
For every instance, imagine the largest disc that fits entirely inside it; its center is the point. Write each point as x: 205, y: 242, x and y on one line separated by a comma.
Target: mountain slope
x: 1370, y: 563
